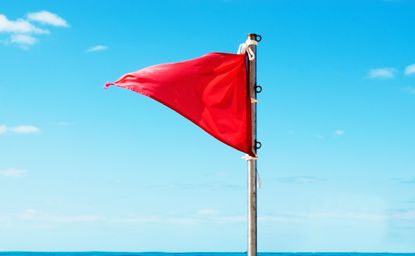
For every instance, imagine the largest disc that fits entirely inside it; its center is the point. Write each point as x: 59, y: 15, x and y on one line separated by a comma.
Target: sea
x: 195, y: 254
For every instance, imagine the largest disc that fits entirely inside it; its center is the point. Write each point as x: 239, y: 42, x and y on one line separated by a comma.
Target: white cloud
x: 410, y: 70
x: 20, y: 129
x: 382, y: 73
x: 97, y: 48
x: 34, y: 215
x: 44, y: 218
x: 3, y: 129
x: 284, y: 217
x: 12, y: 172
x: 349, y: 215
x: 339, y: 132
x: 22, y: 31
x: 207, y: 211
x: 22, y: 39
x: 19, y: 26
x: 404, y: 215
x: 406, y: 180
x: 64, y: 123
x: 25, y: 129
x: 48, y: 18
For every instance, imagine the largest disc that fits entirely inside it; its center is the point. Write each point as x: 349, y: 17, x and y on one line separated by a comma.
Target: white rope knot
x: 251, y: 42
x: 245, y: 48
x: 249, y: 158
x: 241, y: 48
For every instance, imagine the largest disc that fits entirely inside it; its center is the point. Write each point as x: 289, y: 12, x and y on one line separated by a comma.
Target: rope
x: 244, y: 48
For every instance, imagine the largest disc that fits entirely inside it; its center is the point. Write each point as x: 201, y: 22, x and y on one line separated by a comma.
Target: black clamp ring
x: 258, y: 145
x: 258, y: 38
x: 258, y: 88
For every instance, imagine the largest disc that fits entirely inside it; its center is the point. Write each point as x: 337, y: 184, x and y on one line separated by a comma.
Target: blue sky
x: 82, y: 168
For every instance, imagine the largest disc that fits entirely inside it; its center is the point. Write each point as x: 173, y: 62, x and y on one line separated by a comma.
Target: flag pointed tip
x: 107, y: 84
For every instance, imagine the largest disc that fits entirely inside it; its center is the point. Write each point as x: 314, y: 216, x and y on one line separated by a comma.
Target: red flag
x: 211, y: 91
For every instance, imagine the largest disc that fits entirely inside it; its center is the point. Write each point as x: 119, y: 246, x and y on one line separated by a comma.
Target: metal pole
x: 252, y: 162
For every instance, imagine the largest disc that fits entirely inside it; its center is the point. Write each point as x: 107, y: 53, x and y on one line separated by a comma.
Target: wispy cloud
x: 406, y: 214
x: 406, y: 180
x: 208, y: 211
x: 341, y: 215
x: 12, y: 172
x: 210, y: 185
x: 350, y: 215
x: 23, y: 40
x: 20, y: 129
x: 339, y: 132
x: 19, y: 26
x: 22, y: 32
x: 47, y: 18
x: 181, y: 220
x: 34, y: 215
x: 300, y: 179
x: 25, y: 129
x: 3, y: 129
x: 410, y: 70
x: 97, y: 48
x: 382, y: 73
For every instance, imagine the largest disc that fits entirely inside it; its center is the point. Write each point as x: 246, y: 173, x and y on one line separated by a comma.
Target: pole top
x: 255, y: 37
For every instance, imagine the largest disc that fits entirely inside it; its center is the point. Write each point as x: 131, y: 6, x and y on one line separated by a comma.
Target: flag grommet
x: 258, y: 38
x: 258, y: 88
x: 258, y: 145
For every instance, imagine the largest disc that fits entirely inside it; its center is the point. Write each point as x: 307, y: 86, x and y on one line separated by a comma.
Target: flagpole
x: 251, y: 42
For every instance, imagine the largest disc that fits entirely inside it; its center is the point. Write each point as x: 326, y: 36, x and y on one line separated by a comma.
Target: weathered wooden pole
x: 250, y: 45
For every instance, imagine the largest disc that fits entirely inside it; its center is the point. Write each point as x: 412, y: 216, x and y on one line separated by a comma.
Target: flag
x: 211, y: 91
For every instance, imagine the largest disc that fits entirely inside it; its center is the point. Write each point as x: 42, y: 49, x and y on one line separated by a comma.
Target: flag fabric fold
x: 211, y: 91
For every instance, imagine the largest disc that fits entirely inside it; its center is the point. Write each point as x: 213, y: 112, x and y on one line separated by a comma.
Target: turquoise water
x: 192, y: 254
